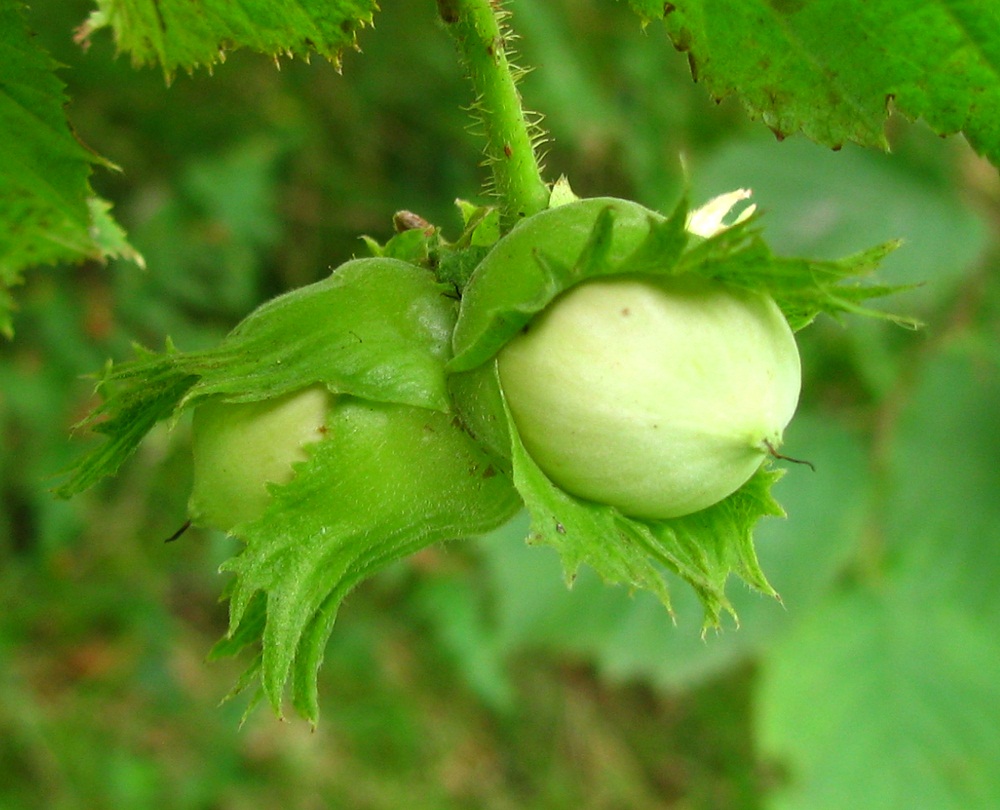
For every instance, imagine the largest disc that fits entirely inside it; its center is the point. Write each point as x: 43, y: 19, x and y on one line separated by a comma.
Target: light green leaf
x: 109, y: 237
x: 178, y: 34
x: 387, y: 481
x: 375, y: 328
x: 884, y: 700
x: 802, y: 288
x: 905, y: 671
x: 942, y: 516
x: 833, y: 69
x: 419, y: 242
x: 649, y: 9
x: 48, y: 212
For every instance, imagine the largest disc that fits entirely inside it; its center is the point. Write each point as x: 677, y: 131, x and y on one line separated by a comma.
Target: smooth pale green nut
x: 658, y: 396
x: 239, y: 448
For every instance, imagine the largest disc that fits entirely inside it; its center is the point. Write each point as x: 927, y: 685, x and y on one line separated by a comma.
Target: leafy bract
x: 375, y: 328
x: 833, y: 69
x: 802, y: 288
x: 545, y: 255
x: 48, y: 212
x: 552, y: 251
x: 419, y: 242
x: 178, y: 34
x: 387, y: 481
x: 393, y: 473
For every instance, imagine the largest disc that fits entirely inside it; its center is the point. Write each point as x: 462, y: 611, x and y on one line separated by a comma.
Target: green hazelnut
x: 657, y: 395
x: 240, y: 448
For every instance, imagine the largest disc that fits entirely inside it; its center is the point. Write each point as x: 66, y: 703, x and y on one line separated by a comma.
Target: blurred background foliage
x: 470, y: 677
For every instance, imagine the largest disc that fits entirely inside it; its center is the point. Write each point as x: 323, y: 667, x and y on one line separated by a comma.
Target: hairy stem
x: 510, y: 141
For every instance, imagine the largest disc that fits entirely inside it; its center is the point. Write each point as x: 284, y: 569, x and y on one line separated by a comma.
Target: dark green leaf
x: 834, y: 69
x: 48, y: 212
x: 177, y: 34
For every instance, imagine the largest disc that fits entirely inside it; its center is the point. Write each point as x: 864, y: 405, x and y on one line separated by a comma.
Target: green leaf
x: 834, y: 69
x: 906, y: 671
x: 375, y: 328
x: 109, y: 237
x: 649, y: 9
x: 178, y: 34
x: 419, y: 242
x: 942, y: 512
x: 884, y: 677
x: 453, y: 607
x: 703, y: 548
x: 48, y: 212
x: 387, y: 481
